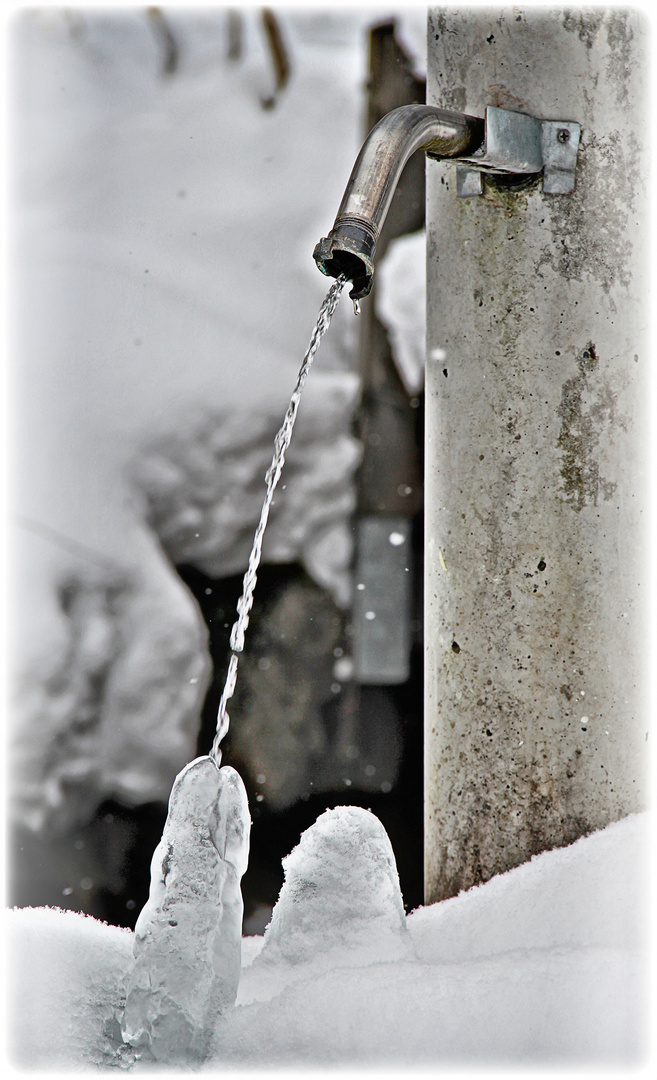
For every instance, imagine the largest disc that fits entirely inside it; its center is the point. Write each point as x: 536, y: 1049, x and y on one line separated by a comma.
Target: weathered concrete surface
x: 536, y: 723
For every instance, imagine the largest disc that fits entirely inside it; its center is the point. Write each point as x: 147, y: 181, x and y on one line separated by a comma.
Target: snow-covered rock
x: 546, y: 965
x: 110, y: 654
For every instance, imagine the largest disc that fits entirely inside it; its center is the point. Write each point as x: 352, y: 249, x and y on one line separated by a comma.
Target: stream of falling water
x: 187, y: 954
x: 281, y: 443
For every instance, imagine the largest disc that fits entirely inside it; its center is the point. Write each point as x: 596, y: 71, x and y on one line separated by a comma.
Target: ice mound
x: 341, y: 894
x: 188, y: 936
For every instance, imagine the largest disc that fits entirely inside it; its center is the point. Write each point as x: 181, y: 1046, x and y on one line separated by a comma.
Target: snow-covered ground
x: 544, y: 966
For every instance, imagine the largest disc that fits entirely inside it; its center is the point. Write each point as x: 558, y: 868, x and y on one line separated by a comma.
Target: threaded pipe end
x: 349, y: 250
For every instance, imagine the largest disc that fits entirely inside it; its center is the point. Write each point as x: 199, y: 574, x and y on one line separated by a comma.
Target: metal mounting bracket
x: 520, y: 145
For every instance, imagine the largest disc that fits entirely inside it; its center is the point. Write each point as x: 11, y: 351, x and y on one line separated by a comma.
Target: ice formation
x: 341, y: 894
x: 187, y: 951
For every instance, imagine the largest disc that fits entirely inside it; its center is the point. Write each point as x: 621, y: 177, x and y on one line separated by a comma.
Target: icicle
x: 188, y: 935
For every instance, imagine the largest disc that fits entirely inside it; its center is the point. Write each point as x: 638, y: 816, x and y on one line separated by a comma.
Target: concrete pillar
x: 536, y: 722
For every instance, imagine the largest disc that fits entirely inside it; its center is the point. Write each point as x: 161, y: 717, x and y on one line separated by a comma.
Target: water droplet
x: 370, y: 615
x: 343, y: 669
x: 356, y: 307
x: 396, y: 538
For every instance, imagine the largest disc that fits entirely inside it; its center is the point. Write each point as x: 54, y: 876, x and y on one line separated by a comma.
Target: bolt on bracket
x: 521, y: 145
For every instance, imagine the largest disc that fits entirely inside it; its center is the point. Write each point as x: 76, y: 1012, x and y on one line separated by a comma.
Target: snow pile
x: 111, y: 671
x: 65, y: 976
x: 544, y: 965
x: 401, y: 306
x: 321, y: 911
x: 204, y: 485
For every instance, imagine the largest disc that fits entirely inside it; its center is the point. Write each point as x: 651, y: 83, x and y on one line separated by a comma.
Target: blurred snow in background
x: 164, y: 291
x: 401, y: 306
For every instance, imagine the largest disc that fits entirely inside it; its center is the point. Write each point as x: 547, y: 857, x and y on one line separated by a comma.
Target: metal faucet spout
x: 349, y: 247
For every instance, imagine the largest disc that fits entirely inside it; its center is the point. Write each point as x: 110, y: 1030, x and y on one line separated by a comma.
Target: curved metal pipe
x: 349, y: 247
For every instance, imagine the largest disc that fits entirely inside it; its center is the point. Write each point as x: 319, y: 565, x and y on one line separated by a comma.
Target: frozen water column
x: 536, y: 723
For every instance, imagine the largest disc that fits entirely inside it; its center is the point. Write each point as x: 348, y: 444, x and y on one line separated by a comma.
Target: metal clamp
x: 518, y: 144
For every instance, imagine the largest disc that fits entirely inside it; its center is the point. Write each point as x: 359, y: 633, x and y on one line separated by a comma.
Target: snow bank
x: 544, y: 965
x: 587, y: 895
x: 66, y: 972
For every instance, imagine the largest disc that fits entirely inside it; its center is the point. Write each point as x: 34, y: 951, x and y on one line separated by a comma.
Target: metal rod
x: 349, y: 247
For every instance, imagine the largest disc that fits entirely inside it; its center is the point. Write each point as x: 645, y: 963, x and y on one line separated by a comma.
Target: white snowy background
x: 163, y: 295
x: 162, y: 231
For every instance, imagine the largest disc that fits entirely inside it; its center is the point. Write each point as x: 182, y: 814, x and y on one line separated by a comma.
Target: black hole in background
x: 121, y: 906
x: 345, y: 262
x: 275, y: 833
x: 510, y: 181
